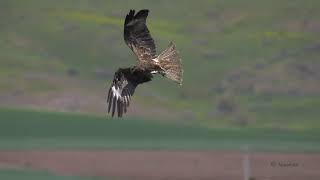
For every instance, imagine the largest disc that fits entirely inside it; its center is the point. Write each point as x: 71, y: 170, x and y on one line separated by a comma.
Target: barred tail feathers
x: 170, y: 62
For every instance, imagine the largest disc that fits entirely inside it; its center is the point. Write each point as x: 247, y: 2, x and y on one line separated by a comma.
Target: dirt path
x: 168, y: 164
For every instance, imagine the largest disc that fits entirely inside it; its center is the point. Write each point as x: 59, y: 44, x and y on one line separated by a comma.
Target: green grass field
x: 25, y: 174
x: 23, y: 129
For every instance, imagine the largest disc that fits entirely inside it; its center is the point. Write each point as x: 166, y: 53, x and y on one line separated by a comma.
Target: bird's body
x: 139, y: 40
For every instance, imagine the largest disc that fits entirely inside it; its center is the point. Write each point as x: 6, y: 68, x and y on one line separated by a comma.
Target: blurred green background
x: 251, y: 75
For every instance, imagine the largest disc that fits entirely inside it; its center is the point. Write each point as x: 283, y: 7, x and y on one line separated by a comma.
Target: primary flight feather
x: 138, y: 38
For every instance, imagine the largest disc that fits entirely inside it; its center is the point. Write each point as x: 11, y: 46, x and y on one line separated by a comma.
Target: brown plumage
x: 139, y: 40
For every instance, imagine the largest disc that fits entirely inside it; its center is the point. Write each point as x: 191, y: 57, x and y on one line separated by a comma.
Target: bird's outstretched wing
x: 137, y: 35
x: 120, y: 93
x: 123, y: 86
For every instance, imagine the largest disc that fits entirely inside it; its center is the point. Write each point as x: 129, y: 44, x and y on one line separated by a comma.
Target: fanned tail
x: 170, y: 62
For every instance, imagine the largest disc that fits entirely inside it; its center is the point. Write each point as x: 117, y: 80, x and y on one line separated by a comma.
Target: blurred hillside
x: 245, y: 62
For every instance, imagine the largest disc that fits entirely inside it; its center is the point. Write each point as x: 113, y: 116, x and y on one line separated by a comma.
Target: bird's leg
x: 157, y: 69
x: 160, y: 70
x: 162, y: 73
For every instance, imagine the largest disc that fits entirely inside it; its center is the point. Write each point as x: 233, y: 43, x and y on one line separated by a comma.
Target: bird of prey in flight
x: 139, y: 40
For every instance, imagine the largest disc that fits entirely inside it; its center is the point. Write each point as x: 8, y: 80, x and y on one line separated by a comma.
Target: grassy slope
x: 18, y: 174
x: 21, y: 129
x: 47, y: 38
